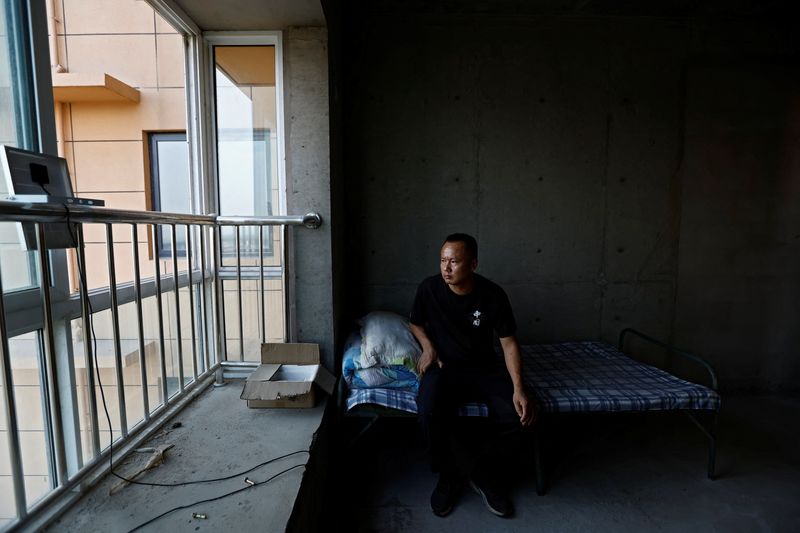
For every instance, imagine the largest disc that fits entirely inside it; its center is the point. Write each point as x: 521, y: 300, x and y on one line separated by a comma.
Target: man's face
x: 455, y: 264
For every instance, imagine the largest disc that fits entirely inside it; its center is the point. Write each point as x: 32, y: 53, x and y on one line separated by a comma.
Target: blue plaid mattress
x: 403, y: 400
x: 578, y: 377
x: 594, y: 376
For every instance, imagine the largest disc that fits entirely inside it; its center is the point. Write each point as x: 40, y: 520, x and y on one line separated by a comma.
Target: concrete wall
x: 308, y: 183
x: 738, y: 288
x: 559, y: 142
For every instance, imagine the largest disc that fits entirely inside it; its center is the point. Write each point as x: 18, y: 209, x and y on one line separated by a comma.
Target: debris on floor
x: 156, y: 459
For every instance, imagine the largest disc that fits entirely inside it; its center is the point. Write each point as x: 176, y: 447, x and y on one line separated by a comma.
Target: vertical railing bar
x: 14, y: 447
x: 289, y: 313
x: 223, y: 335
x: 50, y: 357
x: 88, y: 348
x: 203, y: 301
x: 239, y: 293
x: 47, y: 421
x: 194, y: 350
x: 178, y: 339
x: 137, y: 287
x: 112, y: 291
x: 159, y: 298
x: 261, y: 277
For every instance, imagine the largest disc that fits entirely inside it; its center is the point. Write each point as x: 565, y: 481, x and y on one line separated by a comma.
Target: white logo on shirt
x: 477, y: 315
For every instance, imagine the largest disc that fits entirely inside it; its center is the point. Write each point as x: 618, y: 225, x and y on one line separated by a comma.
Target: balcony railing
x: 115, y: 356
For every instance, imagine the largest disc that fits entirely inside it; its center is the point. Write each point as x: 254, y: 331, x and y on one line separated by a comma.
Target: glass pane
x: 18, y: 265
x: 231, y: 303
x: 16, y: 120
x: 165, y: 242
x: 8, y: 502
x: 247, y: 156
x: 186, y: 335
x: 105, y: 375
x: 8, y: 510
x: 152, y: 352
x: 26, y: 369
x: 131, y: 367
x: 246, y: 129
x: 169, y: 153
x: 199, y: 342
x: 270, y: 305
x: 102, y: 340
x: 106, y: 155
x: 8, y: 122
x: 82, y: 389
x: 170, y: 342
x: 16, y: 115
x: 173, y: 173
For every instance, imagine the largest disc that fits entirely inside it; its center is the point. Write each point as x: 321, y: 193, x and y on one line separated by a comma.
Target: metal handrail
x: 12, y: 211
x: 211, y: 323
x: 309, y: 220
x: 672, y: 349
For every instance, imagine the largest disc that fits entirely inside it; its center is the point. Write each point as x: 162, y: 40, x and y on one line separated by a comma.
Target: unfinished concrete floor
x: 607, y: 473
x: 218, y: 436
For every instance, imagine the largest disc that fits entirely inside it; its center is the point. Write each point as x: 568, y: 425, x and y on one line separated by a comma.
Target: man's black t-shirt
x: 462, y: 327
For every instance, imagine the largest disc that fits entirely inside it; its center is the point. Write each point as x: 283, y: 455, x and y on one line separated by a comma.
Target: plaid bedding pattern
x: 595, y: 376
x: 403, y: 401
x: 578, y: 377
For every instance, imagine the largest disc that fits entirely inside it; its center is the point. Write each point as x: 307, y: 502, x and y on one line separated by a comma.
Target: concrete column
x: 308, y: 181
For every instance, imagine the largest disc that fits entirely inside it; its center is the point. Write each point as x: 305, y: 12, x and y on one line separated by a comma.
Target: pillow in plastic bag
x: 387, y: 341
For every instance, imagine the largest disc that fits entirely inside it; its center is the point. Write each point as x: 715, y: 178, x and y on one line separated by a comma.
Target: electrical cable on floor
x: 84, y: 288
x: 208, y: 500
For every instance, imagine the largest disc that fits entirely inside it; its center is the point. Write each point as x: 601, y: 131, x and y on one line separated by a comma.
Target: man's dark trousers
x: 442, y: 391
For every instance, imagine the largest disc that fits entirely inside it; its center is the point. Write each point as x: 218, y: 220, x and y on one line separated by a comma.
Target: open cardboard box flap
x: 289, y: 353
x: 287, y: 371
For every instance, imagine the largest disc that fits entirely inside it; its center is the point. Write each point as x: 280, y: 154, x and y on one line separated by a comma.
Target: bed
x: 576, y: 377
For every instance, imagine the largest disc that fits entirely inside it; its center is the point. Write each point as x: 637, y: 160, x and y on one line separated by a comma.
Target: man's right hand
x: 428, y: 358
x: 429, y: 355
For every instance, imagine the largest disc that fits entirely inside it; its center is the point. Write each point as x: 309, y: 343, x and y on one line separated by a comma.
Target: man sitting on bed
x: 455, y: 317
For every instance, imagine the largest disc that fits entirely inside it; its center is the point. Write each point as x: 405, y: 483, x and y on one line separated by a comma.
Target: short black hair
x: 469, y: 243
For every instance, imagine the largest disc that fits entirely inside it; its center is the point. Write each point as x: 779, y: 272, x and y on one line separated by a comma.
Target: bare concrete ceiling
x: 239, y: 15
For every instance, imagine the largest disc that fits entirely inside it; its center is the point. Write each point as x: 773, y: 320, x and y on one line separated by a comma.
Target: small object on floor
x: 444, y: 495
x: 249, y: 481
x: 200, y: 516
x: 177, y: 425
x: 156, y: 459
x: 495, y: 499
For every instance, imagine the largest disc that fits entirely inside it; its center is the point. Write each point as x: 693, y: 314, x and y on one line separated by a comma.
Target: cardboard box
x: 286, y: 377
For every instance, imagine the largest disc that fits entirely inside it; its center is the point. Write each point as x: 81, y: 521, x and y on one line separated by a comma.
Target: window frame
x: 233, y: 38
x: 153, y: 184
x: 211, y: 39
x: 32, y: 94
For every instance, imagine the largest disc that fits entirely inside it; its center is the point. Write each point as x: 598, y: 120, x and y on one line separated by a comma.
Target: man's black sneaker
x: 496, y: 500
x: 444, y: 496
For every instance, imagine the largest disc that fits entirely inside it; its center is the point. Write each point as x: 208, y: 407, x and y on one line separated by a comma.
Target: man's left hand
x: 525, y: 409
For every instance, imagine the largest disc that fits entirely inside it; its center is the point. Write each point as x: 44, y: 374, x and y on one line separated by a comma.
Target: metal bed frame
x: 373, y: 413
x: 709, y: 428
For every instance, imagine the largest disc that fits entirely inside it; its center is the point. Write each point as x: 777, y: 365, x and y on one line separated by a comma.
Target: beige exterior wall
x: 105, y: 143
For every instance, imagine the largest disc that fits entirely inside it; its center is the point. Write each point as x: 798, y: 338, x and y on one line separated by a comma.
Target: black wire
x: 84, y: 287
x: 48, y: 193
x: 208, y: 500
x: 196, y: 482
